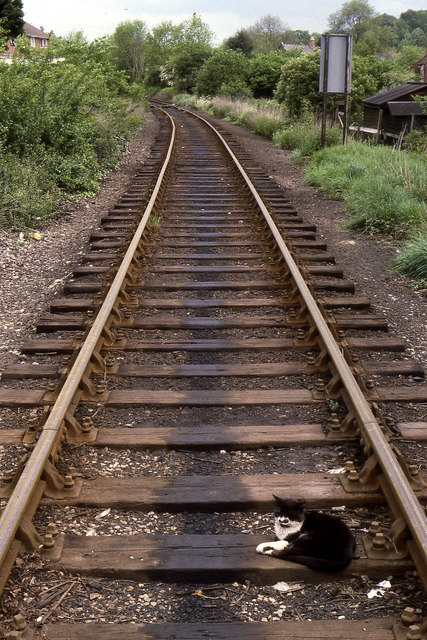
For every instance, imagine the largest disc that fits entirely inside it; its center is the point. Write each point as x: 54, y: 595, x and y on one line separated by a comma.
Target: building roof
x: 305, y: 48
x: 33, y: 32
x: 406, y: 108
x: 407, y: 89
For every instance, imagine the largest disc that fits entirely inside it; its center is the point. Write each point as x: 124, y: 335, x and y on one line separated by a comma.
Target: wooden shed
x: 394, y: 113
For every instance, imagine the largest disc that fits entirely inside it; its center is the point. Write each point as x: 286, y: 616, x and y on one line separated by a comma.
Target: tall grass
x: 261, y: 116
x: 304, y: 138
x: 412, y: 260
x: 385, y: 191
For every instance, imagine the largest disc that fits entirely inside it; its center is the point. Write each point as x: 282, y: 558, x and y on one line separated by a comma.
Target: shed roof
x: 406, y: 108
x: 407, y: 89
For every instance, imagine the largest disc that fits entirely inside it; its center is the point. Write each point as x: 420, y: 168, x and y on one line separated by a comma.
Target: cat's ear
x: 277, y: 500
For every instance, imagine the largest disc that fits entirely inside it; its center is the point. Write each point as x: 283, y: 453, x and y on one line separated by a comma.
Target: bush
x: 223, y: 68
x: 264, y: 73
x: 416, y: 141
x: 304, y: 138
x: 71, y: 115
x: 377, y: 205
x: 384, y: 189
x: 412, y: 260
x: 27, y: 191
x: 235, y: 89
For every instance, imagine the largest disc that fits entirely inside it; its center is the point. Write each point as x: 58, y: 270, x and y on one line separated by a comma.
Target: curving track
x: 226, y: 327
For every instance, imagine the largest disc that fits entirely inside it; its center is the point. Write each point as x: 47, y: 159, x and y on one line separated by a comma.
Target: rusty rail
x: 409, y: 507
x: 26, y: 486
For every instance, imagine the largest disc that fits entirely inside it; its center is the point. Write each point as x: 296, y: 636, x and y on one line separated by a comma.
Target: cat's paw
x: 272, y: 548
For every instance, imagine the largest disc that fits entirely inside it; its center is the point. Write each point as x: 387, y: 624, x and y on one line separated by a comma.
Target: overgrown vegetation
x: 65, y: 118
x: 384, y: 191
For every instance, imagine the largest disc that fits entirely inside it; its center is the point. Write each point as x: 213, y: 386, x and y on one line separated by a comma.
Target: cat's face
x: 288, y: 511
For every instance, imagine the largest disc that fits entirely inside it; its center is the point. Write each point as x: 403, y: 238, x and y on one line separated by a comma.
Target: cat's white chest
x: 285, y: 532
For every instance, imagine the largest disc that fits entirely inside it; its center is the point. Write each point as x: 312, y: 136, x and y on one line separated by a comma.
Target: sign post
x: 335, y: 73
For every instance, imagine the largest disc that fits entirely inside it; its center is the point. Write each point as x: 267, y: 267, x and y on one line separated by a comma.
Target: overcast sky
x: 97, y: 18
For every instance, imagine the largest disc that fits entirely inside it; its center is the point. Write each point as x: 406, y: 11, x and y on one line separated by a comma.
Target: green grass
x: 384, y: 189
x: 304, y: 138
x: 412, y: 260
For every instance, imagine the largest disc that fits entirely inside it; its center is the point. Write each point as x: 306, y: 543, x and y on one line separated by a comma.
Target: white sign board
x: 334, y: 47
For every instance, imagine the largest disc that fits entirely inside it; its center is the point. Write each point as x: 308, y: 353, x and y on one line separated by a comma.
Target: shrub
x: 304, y: 138
x: 416, y: 141
x: 27, y: 191
x: 377, y: 205
x: 236, y: 88
x: 72, y: 116
x: 223, y: 68
x: 264, y: 73
x: 412, y: 260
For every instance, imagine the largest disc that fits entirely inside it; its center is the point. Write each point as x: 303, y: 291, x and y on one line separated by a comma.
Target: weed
x: 412, y: 260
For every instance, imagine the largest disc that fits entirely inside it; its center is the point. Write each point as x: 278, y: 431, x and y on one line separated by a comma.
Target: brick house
x: 38, y: 39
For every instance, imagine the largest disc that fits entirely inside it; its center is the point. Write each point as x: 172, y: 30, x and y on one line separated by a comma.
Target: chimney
x: 312, y: 43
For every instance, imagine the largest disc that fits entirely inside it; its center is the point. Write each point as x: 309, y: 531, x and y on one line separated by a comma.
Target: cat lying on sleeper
x: 312, y: 538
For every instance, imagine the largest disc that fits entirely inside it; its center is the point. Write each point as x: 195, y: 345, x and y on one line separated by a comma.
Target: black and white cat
x: 314, y: 539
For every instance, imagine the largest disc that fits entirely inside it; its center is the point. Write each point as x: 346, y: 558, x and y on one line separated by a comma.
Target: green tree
x: 129, y: 48
x: 161, y: 43
x: 268, y: 33
x: 353, y: 17
x: 408, y: 55
x: 176, y: 52
x: 376, y: 39
x: 224, y: 68
x: 192, y: 48
x: 415, y: 19
x: 241, y: 41
x: 264, y: 73
x: 298, y: 87
x: 12, y: 17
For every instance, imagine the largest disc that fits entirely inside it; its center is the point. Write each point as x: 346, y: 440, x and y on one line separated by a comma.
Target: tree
x: 298, y: 86
x: 192, y: 48
x: 268, y: 33
x: 176, y: 52
x: 223, y: 69
x: 241, y: 41
x: 12, y: 17
x: 129, y: 48
x: 353, y: 17
x: 376, y: 39
x: 264, y: 73
x: 415, y: 19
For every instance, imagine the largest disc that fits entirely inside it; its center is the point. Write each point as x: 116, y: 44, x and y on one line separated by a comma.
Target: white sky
x: 97, y: 18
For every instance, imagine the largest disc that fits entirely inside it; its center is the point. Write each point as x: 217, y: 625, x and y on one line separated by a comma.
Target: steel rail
x: 22, y: 494
x: 410, y: 507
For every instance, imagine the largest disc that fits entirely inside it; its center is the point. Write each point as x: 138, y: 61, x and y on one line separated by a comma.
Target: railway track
x: 178, y: 384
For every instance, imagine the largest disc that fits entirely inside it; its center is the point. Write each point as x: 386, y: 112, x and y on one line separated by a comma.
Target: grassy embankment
x: 385, y: 190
